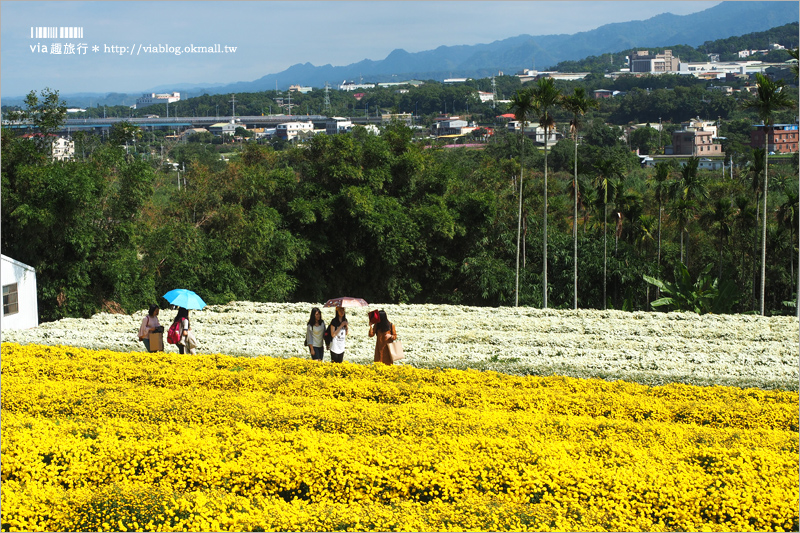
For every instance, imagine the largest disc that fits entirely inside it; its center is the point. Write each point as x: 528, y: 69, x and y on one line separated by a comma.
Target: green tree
x: 45, y: 113
x: 646, y: 140
x: 522, y: 105
x: 123, y: 132
x: 609, y: 175
x: 719, y: 220
x: 686, y: 191
x: 769, y: 100
x: 546, y: 99
x: 577, y: 104
x: 661, y: 192
x: 788, y: 220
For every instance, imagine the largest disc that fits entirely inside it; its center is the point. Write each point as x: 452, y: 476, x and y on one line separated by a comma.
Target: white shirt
x: 316, y: 335
x: 337, y: 344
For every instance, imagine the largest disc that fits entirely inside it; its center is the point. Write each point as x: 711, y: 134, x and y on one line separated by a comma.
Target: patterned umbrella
x: 346, y: 301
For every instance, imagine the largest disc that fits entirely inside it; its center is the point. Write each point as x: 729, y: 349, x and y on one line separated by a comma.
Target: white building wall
x: 24, y: 276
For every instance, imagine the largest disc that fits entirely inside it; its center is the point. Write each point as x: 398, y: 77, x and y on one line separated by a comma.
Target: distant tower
x: 327, y: 99
x: 494, y: 93
x: 233, y: 105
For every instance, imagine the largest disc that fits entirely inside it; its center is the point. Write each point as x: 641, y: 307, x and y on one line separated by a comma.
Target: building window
x: 10, y: 305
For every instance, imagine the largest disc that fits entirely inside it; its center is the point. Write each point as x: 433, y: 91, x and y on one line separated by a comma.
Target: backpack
x: 327, y: 337
x: 174, y: 333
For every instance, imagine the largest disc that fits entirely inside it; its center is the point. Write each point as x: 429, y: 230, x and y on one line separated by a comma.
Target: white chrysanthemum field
x: 649, y: 348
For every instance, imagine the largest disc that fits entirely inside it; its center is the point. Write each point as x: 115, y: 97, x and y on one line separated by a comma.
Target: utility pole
x: 327, y: 99
x: 494, y: 93
x: 233, y: 105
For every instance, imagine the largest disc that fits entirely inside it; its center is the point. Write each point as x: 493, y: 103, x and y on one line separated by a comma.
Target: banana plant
x: 701, y: 296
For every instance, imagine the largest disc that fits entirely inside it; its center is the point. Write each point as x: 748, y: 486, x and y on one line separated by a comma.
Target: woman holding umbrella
x: 339, y: 326
x: 185, y: 300
x: 187, y: 343
x: 339, y: 335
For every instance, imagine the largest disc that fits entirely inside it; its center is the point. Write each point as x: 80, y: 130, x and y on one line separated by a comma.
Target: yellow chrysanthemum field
x: 119, y: 440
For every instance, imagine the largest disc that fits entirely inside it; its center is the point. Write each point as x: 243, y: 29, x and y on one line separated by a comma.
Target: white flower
x: 650, y: 348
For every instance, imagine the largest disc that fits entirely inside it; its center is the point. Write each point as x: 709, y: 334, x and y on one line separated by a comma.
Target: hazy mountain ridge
x: 510, y: 55
x: 525, y: 51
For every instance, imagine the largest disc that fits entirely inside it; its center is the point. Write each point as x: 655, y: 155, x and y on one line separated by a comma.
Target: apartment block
x: 781, y: 138
x: 646, y: 62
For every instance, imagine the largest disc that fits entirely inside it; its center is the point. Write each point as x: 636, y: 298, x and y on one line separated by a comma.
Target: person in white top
x: 339, y: 335
x: 314, y: 334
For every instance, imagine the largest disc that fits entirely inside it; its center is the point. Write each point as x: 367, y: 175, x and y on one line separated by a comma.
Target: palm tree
x: 609, y: 176
x: 745, y: 220
x: 663, y: 170
x: 718, y: 220
x: 545, y: 99
x: 770, y: 99
x: 787, y: 216
x: 796, y: 70
x: 522, y: 107
x: 578, y: 104
x: 795, y: 67
x: 690, y: 187
x: 755, y: 171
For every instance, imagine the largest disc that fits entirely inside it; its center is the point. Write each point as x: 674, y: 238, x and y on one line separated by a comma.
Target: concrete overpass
x: 182, y: 123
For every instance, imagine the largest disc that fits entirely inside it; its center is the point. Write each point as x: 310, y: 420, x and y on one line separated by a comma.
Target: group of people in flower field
x: 333, y: 336
x: 319, y: 335
x: 180, y: 332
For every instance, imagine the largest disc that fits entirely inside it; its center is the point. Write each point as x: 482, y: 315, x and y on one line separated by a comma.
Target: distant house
x: 20, y: 306
x: 221, y: 129
x: 717, y: 70
x: 726, y: 89
x: 709, y: 164
x: 352, y: 86
x: 185, y: 134
x: 451, y: 126
x: 782, y: 138
x: 300, y: 89
x: 336, y: 125
x: 290, y: 130
x: 535, y: 132
x: 61, y: 149
x: 153, y: 98
x: 695, y: 138
x: 405, y: 118
x: 601, y: 93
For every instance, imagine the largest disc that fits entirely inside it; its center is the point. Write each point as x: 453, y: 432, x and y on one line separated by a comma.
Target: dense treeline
x: 384, y: 218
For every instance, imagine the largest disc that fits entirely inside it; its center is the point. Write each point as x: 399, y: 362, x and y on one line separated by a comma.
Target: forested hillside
x: 727, y: 49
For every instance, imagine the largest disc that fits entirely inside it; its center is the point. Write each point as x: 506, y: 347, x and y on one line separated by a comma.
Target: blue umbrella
x: 184, y: 298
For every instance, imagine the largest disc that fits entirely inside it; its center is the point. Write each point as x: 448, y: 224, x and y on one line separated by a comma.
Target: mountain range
x: 525, y: 51
x: 727, y: 19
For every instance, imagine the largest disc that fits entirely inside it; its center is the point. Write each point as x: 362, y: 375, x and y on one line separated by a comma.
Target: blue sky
x: 269, y: 36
